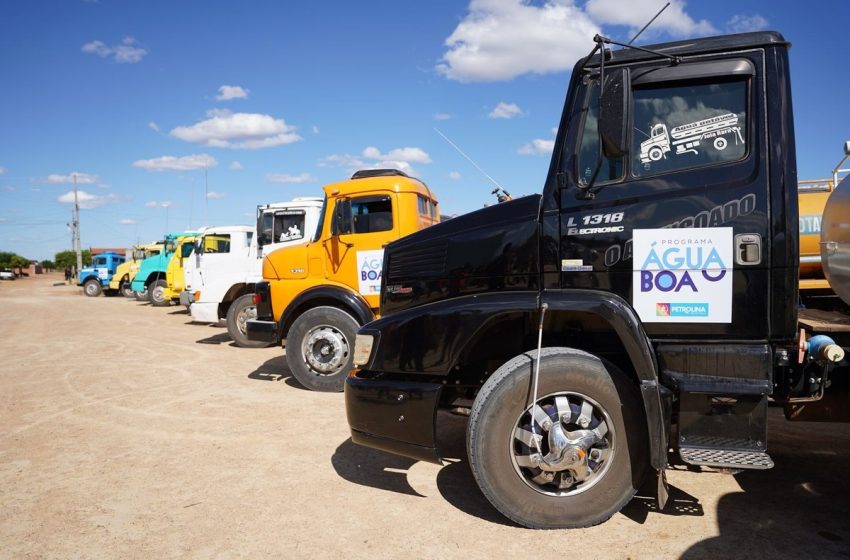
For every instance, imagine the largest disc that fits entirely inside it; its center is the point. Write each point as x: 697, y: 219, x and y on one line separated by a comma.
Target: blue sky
x: 275, y: 99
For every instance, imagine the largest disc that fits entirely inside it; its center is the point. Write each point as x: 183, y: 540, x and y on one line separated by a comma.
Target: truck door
x: 360, y: 229
x: 215, y: 265
x: 682, y: 235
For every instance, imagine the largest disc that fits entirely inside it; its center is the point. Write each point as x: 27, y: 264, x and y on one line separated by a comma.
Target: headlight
x: 363, y: 349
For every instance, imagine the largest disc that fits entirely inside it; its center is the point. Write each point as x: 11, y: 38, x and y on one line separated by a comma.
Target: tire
x: 241, y: 310
x: 126, y: 290
x: 92, y: 287
x: 655, y: 153
x: 499, y: 457
x: 141, y: 296
x: 156, y: 294
x: 314, y: 331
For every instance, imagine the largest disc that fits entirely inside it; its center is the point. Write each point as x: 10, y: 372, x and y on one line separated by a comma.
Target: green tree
x: 69, y: 259
x: 47, y: 266
x: 20, y: 263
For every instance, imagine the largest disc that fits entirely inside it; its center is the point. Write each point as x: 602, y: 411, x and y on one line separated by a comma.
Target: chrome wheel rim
x: 91, y: 288
x: 242, y: 317
x: 158, y: 294
x: 325, y: 349
x: 576, y: 442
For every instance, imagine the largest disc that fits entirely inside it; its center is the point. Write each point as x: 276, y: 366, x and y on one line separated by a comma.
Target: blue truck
x: 152, y: 271
x: 95, y: 278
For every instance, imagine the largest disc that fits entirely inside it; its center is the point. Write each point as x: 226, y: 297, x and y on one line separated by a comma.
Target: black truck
x: 643, y: 308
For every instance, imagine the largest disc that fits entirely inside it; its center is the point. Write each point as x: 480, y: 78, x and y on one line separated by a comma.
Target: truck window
x: 186, y: 250
x: 590, y: 149
x: 100, y: 261
x: 371, y: 214
x: 265, y: 229
x: 679, y: 127
x: 218, y: 243
x: 249, y: 238
x: 288, y: 225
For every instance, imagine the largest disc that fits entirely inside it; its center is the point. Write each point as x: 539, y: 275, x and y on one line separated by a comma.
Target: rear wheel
x: 142, y: 296
x: 92, y: 287
x: 573, y: 458
x: 320, y: 348
x: 239, y: 312
x: 156, y: 294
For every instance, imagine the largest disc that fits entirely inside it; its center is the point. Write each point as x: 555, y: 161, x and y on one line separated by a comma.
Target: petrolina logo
x: 685, y: 275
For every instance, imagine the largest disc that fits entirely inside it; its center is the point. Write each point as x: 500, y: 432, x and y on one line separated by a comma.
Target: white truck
x: 228, y: 262
x: 687, y: 137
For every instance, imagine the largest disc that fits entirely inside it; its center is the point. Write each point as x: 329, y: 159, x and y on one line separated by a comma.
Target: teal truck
x: 152, y: 270
x: 95, y: 278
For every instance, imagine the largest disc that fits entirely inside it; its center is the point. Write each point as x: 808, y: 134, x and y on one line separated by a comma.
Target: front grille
x: 416, y: 262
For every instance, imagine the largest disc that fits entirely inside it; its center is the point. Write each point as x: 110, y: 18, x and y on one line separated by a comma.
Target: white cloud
x: 236, y: 166
x: 158, y: 203
x: 635, y: 13
x: 128, y: 221
x: 410, y: 155
x: 315, y: 129
x: 226, y: 93
x: 249, y: 131
x: 372, y: 158
x: 506, y: 111
x: 502, y: 39
x: 126, y: 52
x: 88, y: 200
x: 442, y: 116
x: 35, y: 189
x: 9, y: 188
x: 743, y: 23
x: 104, y: 186
x: 3, y: 170
x: 171, y: 163
x: 454, y: 176
x: 537, y: 147
x: 82, y: 178
x: 286, y: 178
x: 153, y: 126
x: 213, y: 195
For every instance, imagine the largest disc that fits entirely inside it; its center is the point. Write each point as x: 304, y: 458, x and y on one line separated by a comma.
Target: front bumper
x: 399, y: 417
x: 204, y: 312
x: 257, y: 329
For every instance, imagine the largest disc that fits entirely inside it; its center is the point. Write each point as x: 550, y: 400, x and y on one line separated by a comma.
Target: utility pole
x: 76, y: 225
x: 206, y: 197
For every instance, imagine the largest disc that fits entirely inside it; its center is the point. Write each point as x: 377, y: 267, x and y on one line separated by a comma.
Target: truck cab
x: 152, y: 270
x: 122, y: 280
x: 174, y: 274
x: 638, y: 304
x: 95, y: 278
x: 315, y: 296
x: 224, y: 275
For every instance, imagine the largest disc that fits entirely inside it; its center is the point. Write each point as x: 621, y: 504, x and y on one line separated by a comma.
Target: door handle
x: 748, y: 249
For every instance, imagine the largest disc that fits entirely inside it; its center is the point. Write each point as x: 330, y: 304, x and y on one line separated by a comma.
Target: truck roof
x: 225, y: 229
x: 299, y: 202
x: 394, y: 183
x: 704, y: 45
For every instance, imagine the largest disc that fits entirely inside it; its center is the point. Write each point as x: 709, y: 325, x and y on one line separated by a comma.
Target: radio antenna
x: 453, y: 145
x: 649, y: 23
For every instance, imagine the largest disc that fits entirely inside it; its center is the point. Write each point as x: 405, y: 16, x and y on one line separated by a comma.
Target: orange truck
x: 315, y: 296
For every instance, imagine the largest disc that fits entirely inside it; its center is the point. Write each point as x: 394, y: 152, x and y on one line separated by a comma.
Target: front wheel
x: 573, y: 458
x: 156, y: 294
x: 320, y: 348
x: 92, y: 288
x: 239, y: 312
x: 126, y: 290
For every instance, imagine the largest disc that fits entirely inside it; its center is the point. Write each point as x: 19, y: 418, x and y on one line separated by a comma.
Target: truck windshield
x: 139, y: 254
x: 170, y: 245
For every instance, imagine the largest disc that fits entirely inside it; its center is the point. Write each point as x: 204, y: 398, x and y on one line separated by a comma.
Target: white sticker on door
x: 684, y: 275
x: 369, y: 268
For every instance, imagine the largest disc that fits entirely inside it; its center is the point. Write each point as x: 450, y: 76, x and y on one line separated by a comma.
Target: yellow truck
x: 315, y: 296
x: 175, y: 280
x: 125, y: 272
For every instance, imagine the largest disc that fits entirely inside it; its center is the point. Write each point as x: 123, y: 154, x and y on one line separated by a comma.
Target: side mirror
x: 613, y: 113
x: 342, y: 218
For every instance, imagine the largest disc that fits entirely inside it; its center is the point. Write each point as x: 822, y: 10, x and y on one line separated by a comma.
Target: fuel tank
x: 812, y: 197
x: 835, y: 240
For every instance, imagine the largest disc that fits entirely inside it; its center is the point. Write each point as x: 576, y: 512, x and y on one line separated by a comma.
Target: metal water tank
x: 835, y: 240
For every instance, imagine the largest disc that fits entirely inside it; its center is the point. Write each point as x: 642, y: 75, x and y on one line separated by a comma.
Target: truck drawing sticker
x: 688, y: 137
x: 683, y: 275
x: 369, y: 267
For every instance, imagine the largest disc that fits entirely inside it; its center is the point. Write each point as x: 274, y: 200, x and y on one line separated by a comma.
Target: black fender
x: 434, y: 337
x: 335, y: 296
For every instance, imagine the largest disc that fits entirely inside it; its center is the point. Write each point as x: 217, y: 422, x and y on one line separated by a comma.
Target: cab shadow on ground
x: 276, y: 369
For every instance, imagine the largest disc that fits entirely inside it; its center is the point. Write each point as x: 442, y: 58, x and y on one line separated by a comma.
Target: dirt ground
x: 126, y: 431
